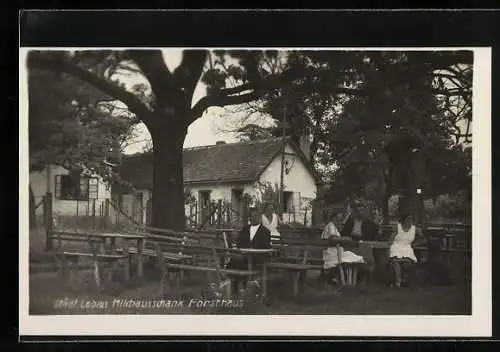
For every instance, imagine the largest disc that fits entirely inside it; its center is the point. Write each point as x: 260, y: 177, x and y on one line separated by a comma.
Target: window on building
x: 204, y: 198
x: 75, y: 188
x: 287, y: 202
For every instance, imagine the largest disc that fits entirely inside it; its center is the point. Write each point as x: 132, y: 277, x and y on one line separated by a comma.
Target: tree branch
x: 63, y: 66
x: 220, y: 100
x: 237, y: 89
x: 188, y: 73
x: 91, y: 58
x: 153, y: 66
x: 452, y: 78
x: 455, y: 92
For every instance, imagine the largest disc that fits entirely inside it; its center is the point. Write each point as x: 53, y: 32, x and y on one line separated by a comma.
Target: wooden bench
x: 386, y: 231
x: 99, y: 258
x: 66, y: 236
x: 174, y: 240
x: 171, y: 242
x: 451, y: 235
x: 300, y: 255
x: 212, y: 265
x: 447, y: 240
x: 177, y: 252
x: 68, y: 259
x: 167, y: 255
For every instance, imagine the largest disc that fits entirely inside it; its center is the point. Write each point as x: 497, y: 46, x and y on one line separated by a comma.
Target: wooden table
x: 249, y: 253
x: 252, y: 252
x: 384, y: 245
x: 375, y: 254
x: 140, y: 238
x: 376, y: 244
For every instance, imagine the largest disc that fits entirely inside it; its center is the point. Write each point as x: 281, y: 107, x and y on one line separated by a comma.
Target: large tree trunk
x: 32, y: 210
x: 412, y: 199
x: 168, y: 181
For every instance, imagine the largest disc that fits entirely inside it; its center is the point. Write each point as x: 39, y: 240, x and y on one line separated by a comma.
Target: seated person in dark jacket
x: 254, y: 236
x: 360, y: 227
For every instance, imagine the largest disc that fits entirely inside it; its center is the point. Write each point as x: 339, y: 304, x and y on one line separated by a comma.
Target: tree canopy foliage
x: 386, y: 121
x: 386, y: 114
x: 165, y: 101
x: 73, y: 125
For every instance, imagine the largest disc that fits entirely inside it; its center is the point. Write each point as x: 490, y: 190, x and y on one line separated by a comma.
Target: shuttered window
x: 58, y: 187
x: 287, y: 202
x: 93, y: 188
x: 296, y: 202
x: 83, y: 192
x: 75, y: 188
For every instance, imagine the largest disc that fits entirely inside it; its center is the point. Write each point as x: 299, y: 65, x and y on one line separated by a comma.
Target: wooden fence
x: 216, y: 215
x: 109, y: 215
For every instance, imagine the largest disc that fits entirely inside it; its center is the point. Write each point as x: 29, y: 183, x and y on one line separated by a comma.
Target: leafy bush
x: 458, y: 206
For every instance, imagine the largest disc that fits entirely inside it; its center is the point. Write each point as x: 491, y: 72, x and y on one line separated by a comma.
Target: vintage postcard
x: 255, y: 191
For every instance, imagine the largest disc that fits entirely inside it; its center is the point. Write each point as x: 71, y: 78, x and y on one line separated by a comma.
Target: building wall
x: 44, y: 182
x: 299, y: 181
x: 138, y: 213
x: 217, y: 192
x: 221, y: 191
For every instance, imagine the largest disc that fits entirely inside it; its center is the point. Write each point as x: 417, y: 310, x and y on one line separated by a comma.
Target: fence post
x: 219, y: 213
x: 106, y: 213
x: 149, y: 212
x: 101, y: 212
x: 93, y: 213
x: 314, y: 210
x: 47, y: 216
x: 77, y: 213
x: 190, y: 215
x: 117, y: 215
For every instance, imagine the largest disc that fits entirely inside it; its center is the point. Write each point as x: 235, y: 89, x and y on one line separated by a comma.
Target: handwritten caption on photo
x: 134, y: 303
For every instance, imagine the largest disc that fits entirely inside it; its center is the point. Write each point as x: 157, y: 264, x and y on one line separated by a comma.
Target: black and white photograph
x: 254, y: 183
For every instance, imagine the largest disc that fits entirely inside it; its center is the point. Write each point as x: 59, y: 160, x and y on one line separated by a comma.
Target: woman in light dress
x: 401, y: 252
x: 331, y: 255
x: 271, y: 220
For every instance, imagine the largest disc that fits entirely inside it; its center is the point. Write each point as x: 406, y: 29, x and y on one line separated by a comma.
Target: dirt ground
x: 51, y: 295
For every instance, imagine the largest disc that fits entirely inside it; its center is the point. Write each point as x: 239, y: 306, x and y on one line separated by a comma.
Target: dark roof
x: 231, y: 162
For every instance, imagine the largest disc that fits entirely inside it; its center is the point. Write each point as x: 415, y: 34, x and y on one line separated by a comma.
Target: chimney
x: 305, y: 146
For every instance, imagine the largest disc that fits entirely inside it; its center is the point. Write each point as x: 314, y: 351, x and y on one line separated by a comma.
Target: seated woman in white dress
x: 271, y: 220
x: 401, y: 253
x: 333, y: 256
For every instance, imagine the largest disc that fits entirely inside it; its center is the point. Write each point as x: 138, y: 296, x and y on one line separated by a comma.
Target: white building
x: 227, y: 171
x: 72, y: 195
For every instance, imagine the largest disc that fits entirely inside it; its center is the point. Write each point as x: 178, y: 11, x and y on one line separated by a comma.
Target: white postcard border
x: 476, y: 325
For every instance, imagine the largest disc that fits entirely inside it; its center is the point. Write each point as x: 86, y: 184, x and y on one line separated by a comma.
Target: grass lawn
x: 46, y: 289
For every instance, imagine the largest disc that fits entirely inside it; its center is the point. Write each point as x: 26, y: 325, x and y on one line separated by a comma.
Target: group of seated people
x: 358, y: 226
